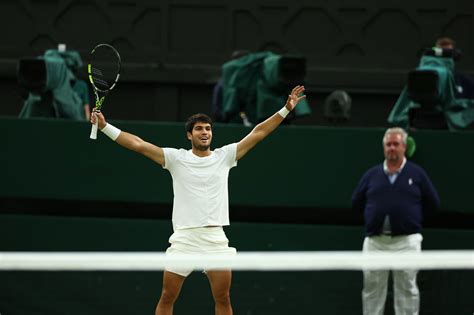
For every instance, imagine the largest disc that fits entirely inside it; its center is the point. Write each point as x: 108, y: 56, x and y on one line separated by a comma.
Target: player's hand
x: 98, y: 116
x: 294, y: 98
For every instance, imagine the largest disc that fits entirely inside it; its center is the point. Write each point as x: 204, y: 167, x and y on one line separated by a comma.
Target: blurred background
x: 173, y: 51
x: 360, y: 62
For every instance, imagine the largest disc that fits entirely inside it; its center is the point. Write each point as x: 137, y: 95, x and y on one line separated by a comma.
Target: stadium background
x: 52, y: 188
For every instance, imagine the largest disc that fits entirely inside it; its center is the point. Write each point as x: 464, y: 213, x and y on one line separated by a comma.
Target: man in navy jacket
x: 393, y: 196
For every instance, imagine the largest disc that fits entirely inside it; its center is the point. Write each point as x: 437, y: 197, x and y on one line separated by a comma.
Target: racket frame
x: 100, y: 100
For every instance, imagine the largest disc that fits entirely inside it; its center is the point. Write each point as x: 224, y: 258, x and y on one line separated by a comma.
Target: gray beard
x: 392, y: 159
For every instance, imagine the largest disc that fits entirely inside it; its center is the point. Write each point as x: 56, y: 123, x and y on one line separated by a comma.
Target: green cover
x: 58, y: 98
x: 252, y: 85
x: 459, y: 113
x: 72, y: 58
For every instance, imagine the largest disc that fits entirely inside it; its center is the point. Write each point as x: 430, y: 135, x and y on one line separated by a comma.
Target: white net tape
x: 261, y: 261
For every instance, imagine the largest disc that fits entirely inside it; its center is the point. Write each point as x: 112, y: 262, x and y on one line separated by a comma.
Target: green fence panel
x: 297, y: 166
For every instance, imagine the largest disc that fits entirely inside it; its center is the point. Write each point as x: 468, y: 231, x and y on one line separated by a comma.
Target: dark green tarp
x: 252, y: 85
x: 58, y: 98
x: 459, y: 113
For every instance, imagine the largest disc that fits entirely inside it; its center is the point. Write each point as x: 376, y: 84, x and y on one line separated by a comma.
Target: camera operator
x: 464, y: 82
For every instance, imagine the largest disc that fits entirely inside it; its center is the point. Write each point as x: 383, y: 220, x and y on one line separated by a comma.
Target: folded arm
x: 429, y: 195
x: 359, y: 196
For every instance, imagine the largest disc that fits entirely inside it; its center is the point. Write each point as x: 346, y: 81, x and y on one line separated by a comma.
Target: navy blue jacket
x: 404, y: 201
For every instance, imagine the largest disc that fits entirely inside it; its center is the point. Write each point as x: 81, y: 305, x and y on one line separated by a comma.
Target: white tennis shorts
x: 201, y: 240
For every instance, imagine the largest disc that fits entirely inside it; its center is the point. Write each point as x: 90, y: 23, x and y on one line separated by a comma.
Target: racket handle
x: 94, y: 130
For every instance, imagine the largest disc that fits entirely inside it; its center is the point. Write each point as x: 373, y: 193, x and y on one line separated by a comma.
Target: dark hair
x: 203, y: 118
x: 445, y: 41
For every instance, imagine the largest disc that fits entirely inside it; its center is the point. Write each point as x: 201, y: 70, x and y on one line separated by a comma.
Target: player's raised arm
x: 264, y: 128
x: 128, y: 140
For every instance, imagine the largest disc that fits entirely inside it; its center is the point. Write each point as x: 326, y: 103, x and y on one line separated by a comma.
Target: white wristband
x: 111, y: 131
x: 283, y: 112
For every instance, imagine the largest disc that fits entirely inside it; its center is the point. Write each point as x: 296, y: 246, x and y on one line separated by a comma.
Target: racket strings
x: 98, y: 80
x: 97, y: 71
x: 104, y: 74
x: 104, y: 68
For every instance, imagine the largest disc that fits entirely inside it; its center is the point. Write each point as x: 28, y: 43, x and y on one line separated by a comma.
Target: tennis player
x: 200, y: 205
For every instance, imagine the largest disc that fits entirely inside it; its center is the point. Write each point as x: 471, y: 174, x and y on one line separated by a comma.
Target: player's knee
x: 222, y: 297
x: 168, y: 296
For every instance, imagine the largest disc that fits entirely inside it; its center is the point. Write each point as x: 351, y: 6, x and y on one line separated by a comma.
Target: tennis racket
x: 104, y: 73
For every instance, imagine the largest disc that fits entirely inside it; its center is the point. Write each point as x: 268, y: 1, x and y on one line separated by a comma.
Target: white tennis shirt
x: 201, y: 196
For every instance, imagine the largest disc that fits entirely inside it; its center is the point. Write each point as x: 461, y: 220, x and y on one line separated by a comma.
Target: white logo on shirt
x: 410, y: 181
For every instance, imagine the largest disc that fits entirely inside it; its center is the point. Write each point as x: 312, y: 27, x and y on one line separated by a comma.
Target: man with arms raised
x: 200, y: 205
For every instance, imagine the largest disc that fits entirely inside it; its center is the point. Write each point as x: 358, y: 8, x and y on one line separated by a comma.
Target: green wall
x: 301, y: 168
x: 296, y: 167
x: 318, y: 292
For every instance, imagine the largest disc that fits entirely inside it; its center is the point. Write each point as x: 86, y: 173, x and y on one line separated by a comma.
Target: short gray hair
x: 396, y: 130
